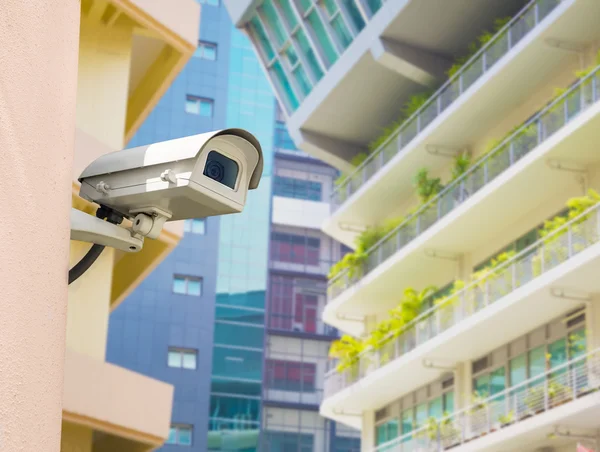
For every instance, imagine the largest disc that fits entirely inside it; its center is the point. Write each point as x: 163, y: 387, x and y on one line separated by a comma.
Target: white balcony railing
x: 560, y: 385
x: 572, y: 238
x: 561, y: 111
x: 506, y: 39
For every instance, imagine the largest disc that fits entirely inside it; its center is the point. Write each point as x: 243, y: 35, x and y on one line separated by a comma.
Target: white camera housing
x: 192, y: 177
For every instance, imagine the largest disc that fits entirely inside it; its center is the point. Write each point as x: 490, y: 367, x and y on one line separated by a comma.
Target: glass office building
x: 200, y: 320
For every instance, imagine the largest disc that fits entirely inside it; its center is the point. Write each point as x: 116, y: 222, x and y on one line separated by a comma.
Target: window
x: 294, y: 304
x: 295, y: 248
x: 336, y: 20
x: 195, y: 226
x: 180, y: 434
x: 206, y: 51
x: 297, y: 188
x: 209, y: 2
x: 182, y: 358
x: 198, y: 106
x: 387, y: 431
x: 283, y: 140
x: 291, y: 375
x: 187, y: 285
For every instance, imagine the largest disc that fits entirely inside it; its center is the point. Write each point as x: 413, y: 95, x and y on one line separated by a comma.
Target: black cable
x: 86, y: 262
x: 104, y: 213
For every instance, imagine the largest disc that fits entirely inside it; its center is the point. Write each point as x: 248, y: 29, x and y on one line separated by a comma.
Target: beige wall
x: 38, y: 57
x: 89, y: 303
x: 103, y: 78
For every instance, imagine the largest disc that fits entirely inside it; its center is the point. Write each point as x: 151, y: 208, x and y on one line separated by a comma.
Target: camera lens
x: 214, y: 170
x: 221, y: 169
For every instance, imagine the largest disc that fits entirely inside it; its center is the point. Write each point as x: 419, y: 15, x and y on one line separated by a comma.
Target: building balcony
x: 459, y: 112
x: 517, y: 169
x: 527, y: 413
x: 556, y: 272
x: 126, y: 410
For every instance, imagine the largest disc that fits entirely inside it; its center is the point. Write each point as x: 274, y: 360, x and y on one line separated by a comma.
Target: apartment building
x: 470, y: 299
x: 78, y: 78
x: 297, y: 340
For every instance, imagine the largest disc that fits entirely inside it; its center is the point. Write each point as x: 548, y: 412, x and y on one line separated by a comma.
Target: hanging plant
x: 427, y: 187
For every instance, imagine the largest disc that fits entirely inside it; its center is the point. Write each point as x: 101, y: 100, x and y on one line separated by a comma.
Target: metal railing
x: 558, y: 386
x: 480, y: 63
x: 573, y: 237
x: 578, y: 98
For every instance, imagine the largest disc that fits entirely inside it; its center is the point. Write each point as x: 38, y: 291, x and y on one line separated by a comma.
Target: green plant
x: 507, y: 418
x: 356, y: 161
x: 478, y: 402
x: 476, y: 45
x: 587, y: 71
x: 347, y: 350
x: 412, y: 105
x: 411, y: 304
x: 462, y: 162
x: 427, y: 187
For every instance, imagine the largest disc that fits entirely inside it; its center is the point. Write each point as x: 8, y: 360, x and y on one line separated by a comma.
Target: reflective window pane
x: 407, y: 421
x: 172, y: 439
x: 518, y: 370
x: 273, y: 23
x: 330, y: 7
x: 210, y: 53
x: 292, y: 57
x: 185, y: 436
x: 354, y: 13
x: 374, y: 5
x: 341, y: 31
x: 189, y: 360
x: 436, y: 408
x: 321, y: 34
x: 302, y: 80
x: 206, y: 108
x: 262, y: 37
x: 179, y: 285
x: 449, y: 402
x: 198, y: 226
x: 194, y: 287
x: 290, y: 96
x: 174, y: 359
x: 288, y: 13
x: 192, y: 105
x: 309, y: 54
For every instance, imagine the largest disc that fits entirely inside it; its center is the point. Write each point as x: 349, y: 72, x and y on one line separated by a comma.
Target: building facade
x: 468, y: 297
x: 297, y: 341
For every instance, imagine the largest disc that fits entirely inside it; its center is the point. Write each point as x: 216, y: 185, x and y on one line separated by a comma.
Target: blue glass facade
x: 198, y: 321
x: 242, y: 270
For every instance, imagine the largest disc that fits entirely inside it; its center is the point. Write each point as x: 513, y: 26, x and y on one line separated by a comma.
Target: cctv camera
x: 192, y: 177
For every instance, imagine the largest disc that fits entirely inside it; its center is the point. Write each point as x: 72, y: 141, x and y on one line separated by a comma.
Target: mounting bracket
x: 351, y: 227
x: 568, y: 46
x: 88, y: 228
x: 572, y: 295
x: 438, y: 254
x: 429, y: 364
x: 445, y: 151
x: 569, y: 167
